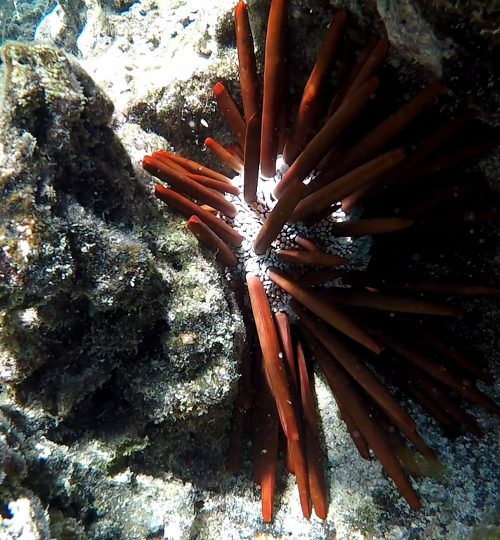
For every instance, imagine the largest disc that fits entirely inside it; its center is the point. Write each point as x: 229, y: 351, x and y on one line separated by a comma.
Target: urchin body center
x: 248, y: 222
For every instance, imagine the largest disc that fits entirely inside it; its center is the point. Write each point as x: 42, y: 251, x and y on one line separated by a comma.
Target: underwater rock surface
x: 457, y: 41
x: 107, y: 308
x: 86, y: 260
x: 27, y: 517
x: 119, y: 338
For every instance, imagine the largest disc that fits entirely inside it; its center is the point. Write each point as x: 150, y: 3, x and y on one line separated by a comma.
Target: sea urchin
x: 295, y: 234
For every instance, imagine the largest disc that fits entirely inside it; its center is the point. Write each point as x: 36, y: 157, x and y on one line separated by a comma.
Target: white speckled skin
x: 249, y: 220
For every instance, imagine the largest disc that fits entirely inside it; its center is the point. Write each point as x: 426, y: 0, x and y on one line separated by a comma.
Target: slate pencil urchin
x: 295, y: 235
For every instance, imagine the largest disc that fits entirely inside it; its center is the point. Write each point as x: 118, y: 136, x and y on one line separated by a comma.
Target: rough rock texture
x: 456, y: 41
x: 22, y: 514
x: 86, y: 280
x: 119, y: 359
x: 107, y: 306
x: 19, y: 18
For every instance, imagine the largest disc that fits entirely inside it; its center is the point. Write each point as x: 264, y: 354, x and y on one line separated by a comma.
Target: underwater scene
x: 249, y: 270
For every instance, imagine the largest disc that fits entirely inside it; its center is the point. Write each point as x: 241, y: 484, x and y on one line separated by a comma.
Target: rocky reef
x: 107, y: 306
x: 120, y: 338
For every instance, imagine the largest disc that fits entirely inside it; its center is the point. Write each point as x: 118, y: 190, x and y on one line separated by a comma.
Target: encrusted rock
x: 456, y: 41
x: 23, y: 515
x: 107, y: 307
